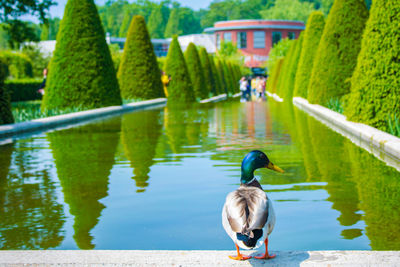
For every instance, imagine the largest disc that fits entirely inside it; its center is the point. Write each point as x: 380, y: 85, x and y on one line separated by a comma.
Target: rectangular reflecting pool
x: 157, y: 179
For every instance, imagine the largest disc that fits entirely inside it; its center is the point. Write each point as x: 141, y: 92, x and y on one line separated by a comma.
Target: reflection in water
x: 140, y: 134
x: 378, y: 187
x: 30, y: 217
x: 333, y: 194
x: 84, y: 157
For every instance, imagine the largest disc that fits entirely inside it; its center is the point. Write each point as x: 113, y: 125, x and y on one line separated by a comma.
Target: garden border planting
x: 382, y: 145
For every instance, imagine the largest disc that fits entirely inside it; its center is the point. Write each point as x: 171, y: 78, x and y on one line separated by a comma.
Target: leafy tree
x: 227, y: 49
x: 312, y: 36
x: 375, y: 85
x: 196, y: 72
x: 288, y: 10
x: 54, y: 25
x: 156, y: 24
x: 188, y: 23
x: 126, y: 22
x: 81, y: 71
x: 172, y: 27
x: 45, y: 32
x: 209, y: 81
x: 5, y: 104
x: 180, y: 89
x: 19, y: 32
x: 337, y: 51
x: 38, y: 59
x: 138, y: 74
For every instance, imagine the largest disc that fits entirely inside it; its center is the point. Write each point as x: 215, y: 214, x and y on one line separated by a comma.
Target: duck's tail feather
x: 250, y: 240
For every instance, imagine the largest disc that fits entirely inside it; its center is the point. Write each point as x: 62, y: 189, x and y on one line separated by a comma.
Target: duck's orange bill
x: 274, y: 167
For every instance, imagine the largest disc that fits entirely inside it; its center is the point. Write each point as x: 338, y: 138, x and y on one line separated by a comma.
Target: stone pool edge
x: 8, y: 130
x: 374, y: 140
x: 193, y: 258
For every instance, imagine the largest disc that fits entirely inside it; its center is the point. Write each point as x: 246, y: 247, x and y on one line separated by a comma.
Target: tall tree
x: 196, y: 72
x: 208, y: 74
x: 288, y: 10
x: 81, y: 72
x: 337, y: 51
x: 312, y: 36
x: 375, y: 86
x: 156, y: 23
x: 180, y: 89
x: 173, y: 24
x: 138, y: 74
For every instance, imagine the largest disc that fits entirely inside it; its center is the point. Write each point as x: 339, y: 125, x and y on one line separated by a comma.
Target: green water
x: 158, y: 180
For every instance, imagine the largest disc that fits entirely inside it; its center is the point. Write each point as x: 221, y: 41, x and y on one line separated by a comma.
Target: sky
x: 58, y: 11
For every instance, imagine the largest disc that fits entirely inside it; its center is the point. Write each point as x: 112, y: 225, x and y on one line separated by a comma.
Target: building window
x: 241, y: 40
x: 276, y: 37
x: 259, y: 39
x: 218, y: 41
x: 227, y: 37
x: 291, y: 35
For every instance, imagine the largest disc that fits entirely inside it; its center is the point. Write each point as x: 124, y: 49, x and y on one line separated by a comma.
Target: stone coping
x: 75, y: 117
x: 367, y: 137
x: 214, y: 99
x: 193, y: 258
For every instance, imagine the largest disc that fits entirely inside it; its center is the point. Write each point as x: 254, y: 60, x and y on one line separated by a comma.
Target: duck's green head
x: 254, y: 160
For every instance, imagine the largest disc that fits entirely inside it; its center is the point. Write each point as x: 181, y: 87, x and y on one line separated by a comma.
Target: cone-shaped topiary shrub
x: 196, y: 72
x: 285, y: 91
x: 284, y: 70
x: 234, y: 79
x: 156, y: 23
x: 180, y: 88
x: 312, y: 36
x: 138, y: 73
x: 337, y: 51
x: 220, y: 68
x: 81, y: 72
x: 291, y: 76
x: 217, y: 79
x: 208, y: 74
x: 172, y: 26
x: 274, y: 75
x: 6, y: 115
x: 375, y: 85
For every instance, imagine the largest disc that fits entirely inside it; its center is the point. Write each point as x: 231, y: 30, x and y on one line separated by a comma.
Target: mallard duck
x: 248, y: 217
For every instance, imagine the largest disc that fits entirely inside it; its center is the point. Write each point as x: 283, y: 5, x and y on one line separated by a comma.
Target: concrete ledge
x: 214, y: 99
x: 274, y: 96
x: 237, y: 95
x: 75, y: 117
x: 367, y: 137
x: 193, y: 258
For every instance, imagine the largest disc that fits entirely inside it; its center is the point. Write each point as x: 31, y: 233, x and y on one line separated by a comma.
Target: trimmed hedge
x: 337, y: 51
x: 292, y: 71
x: 180, y: 89
x: 138, y: 74
x: 217, y: 79
x: 23, y: 89
x: 6, y: 116
x: 280, y: 86
x: 375, y: 85
x: 196, y: 72
x: 221, y: 74
x: 81, y: 72
x: 273, y: 78
x: 18, y: 64
x: 208, y: 74
x: 312, y: 36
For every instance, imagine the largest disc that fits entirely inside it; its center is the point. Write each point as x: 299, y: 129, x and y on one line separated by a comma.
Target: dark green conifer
x: 312, y: 36
x: 156, y: 24
x: 221, y: 74
x: 196, y: 72
x: 208, y: 74
x: 284, y: 70
x: 81, y: 71
x: 290, y: 84
x: 173, y: 24
x: 6, y: 115
x: 217, y: 79
x: 138, y: 74
x: 337, y: 51
x: 180, y: 87
x: 273, y: 76
x: 375, y: 85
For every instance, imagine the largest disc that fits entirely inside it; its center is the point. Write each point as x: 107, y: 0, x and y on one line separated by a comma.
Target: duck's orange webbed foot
x: 239, y: 257
x: 266, y: 255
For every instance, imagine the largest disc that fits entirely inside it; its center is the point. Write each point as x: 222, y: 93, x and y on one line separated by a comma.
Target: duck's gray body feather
x: 246, y: 209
